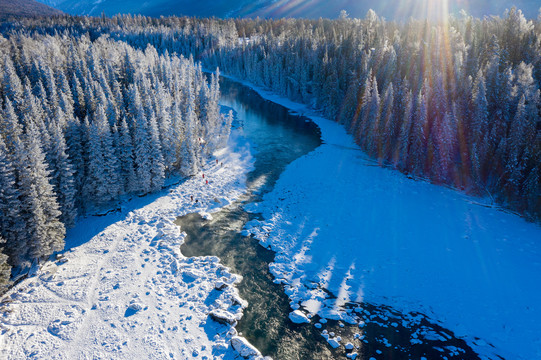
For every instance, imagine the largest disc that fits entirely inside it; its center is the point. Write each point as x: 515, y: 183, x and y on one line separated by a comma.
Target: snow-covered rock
x: 135, y: 306
x: 223, y: 317
x: 244, y: 348
x: 220, y: 285
x: 298, y: 317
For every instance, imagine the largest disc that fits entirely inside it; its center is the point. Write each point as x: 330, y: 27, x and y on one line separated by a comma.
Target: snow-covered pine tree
x: 5, y: 269
x: 190, y: 146
x: 40, y: 210
x: 102, y: 187
x: 11, y: 83
x: 418, y: 131
x: 62, y: 175
x: 157, y: 169
x: 143, y: 161
x: 75, y: 142
x: 401, y: 157
x: 12, y: 227
x: 124, y: 149
x: 177, y: 134
x: 10, y: 126
x: 166, y: 134
x: 480, y: 127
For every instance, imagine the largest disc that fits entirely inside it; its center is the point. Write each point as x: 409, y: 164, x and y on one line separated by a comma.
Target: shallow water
x: 277, y: 138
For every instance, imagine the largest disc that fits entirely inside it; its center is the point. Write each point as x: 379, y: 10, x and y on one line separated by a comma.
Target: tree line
x: 455, y: 102
x: 84, y: 122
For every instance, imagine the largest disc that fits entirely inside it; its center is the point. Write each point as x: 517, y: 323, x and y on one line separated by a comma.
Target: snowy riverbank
x: 370, y: 234
x: 125, y: 291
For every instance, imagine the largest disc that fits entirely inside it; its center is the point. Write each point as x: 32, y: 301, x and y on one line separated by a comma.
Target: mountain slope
x: 394, y: 10
x: 10, y: 8
x: 204, y: 8
x: 292, y: 8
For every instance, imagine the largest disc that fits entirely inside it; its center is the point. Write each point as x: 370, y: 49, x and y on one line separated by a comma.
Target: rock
x: 220, y: 285
x: 352, y: 355
x: 223, y: 317
x: 298, y: 317
x: 349, y: 346
x: 244, y: 348
x: 135, y: 306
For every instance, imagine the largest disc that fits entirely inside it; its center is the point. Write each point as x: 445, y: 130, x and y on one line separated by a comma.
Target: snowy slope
x: 25, y: 8
x: 371, y: 234
x: 218, y: 8
x: 125, y: 291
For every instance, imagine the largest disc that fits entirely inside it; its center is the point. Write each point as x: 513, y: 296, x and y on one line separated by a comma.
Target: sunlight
x: 430, y: 9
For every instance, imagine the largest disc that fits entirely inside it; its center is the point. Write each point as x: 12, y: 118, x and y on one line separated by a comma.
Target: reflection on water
x: 278, y: 138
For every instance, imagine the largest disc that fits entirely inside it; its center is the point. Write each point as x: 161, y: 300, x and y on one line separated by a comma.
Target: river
x: 277, y: 138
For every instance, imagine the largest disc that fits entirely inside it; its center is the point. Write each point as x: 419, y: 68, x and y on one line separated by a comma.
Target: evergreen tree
x: 190, y: 146
x: 12, y: 86
x: 101, y: 184
x: 5, y: 269
x: 62, y: 176
x: 40, y: 210
x: 12, y: 227
x: 125, y: 156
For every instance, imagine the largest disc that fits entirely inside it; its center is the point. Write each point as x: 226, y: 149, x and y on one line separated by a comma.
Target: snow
x: 244, y: 348
x: 124, y: 290
x: 298, y: 317
x: 366, y: 233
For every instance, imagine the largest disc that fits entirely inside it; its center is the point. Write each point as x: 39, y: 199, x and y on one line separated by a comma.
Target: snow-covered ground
x: 125, y: 291
x: 371, y: 234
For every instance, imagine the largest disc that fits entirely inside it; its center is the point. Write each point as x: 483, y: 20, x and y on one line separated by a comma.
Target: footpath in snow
x: 366, y: 233
x: 125, y: 291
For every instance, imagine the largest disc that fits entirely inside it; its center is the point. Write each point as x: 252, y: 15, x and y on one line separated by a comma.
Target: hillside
x: 25, y: 8
x: 289, y: 8
x: 206, y: 8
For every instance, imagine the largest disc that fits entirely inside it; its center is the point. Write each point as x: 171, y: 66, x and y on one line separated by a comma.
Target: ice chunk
x: 334, y: 342
x: 298, y: 317
x: 223, y: 317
